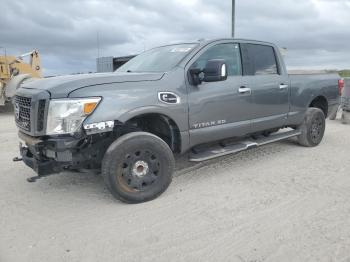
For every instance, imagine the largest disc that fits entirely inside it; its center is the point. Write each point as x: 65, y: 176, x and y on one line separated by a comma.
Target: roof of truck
x: 207, y: 41
x: 203, y: 42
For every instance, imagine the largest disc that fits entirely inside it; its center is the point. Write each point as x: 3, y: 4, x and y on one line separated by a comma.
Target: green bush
x: 344, y: 73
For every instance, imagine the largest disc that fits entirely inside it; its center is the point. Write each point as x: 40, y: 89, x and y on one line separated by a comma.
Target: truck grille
x: 22, y: 112
x: 41, y: 115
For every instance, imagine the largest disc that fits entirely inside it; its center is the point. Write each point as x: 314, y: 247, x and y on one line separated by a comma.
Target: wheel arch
x: 320, y: 102
x: 158, y: 124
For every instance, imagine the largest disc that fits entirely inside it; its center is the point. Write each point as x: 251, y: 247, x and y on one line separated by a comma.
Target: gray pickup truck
x: 206, y: 99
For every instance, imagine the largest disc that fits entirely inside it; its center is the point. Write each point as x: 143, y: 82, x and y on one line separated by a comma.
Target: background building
x: 110, y: 63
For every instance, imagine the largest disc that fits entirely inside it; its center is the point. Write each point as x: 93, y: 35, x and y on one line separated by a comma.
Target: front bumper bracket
x: 42, y: 168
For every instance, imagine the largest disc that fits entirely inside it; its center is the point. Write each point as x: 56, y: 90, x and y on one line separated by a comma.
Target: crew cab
x: 205, y: 99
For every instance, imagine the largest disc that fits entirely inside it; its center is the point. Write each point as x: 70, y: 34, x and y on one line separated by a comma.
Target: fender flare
x: 320, y: 96
x: 177, y: 137
x: 144, y: 110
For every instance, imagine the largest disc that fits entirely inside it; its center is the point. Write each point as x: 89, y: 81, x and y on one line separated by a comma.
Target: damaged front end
x: 51, y: 132
x: 51, y: 155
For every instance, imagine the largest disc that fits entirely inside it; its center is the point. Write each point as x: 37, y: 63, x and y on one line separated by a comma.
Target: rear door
x: 269, y: 85
x: 218, y: 110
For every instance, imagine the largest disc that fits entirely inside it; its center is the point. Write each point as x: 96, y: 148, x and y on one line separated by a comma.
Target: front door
x: 219, y: 110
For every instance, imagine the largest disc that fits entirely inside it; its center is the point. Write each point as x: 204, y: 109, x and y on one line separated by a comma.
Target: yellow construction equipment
x: 14, y: 70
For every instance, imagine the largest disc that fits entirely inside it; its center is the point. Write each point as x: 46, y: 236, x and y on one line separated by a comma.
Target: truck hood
x: 62, y: 86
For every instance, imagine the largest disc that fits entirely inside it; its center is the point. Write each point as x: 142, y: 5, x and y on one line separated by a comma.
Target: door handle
x: 283, y: 86
x: 244, y: 90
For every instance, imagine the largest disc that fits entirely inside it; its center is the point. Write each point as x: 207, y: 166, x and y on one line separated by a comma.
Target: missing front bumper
x: 47, y: 156
x: 41, y: 167
x: 52, y: 155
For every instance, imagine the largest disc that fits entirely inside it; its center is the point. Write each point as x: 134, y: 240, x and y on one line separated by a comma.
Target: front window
x: 228, y: 52
x: 160, y: 59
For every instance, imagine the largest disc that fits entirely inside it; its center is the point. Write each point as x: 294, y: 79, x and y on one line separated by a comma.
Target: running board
x: 218, y: 151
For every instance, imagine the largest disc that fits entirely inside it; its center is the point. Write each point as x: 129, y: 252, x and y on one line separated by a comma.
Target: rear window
x: 259, y: 60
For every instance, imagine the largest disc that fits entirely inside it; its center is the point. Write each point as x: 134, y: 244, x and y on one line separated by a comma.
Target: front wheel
x: 313, y: 127
x: 138, y: 167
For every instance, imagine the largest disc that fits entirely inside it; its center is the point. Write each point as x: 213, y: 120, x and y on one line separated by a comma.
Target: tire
x: 313, y: 128
x: 345, y: 117
x: 138, y: 167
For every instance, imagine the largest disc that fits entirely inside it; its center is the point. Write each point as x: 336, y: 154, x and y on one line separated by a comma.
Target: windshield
x: 160, y: 59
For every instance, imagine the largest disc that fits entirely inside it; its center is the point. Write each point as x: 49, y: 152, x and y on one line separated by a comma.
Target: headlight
x: 66, y: 116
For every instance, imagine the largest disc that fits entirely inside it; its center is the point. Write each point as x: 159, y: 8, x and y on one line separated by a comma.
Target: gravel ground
x: 281, y: 202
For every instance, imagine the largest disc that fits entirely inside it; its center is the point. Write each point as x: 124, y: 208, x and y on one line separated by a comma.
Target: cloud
x: 65, y: 32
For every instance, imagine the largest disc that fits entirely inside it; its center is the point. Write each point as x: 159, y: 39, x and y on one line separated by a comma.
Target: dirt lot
x: 281, y: 202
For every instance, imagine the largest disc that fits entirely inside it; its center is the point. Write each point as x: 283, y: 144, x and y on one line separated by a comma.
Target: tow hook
x: 30, y: 179
x: 17, y: 159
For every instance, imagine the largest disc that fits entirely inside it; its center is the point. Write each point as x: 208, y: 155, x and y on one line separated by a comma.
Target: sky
x: 316, y: 33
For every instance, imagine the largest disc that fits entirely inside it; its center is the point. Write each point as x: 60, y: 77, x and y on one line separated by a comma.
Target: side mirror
x: 215, y: 70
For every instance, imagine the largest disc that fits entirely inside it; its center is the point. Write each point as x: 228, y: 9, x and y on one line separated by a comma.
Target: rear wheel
x: 138, y: 167
x: 313, y: 127
x: 345, y: 117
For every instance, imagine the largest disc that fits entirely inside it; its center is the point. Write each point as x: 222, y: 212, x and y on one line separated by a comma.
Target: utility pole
x: 233, y: 18
x: 6, y: 62
x: 98, y: 43
x: 4, y: 50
